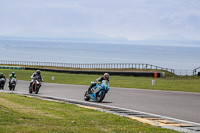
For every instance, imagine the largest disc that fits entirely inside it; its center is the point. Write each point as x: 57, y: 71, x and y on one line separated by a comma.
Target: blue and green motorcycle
x: 98, y: 92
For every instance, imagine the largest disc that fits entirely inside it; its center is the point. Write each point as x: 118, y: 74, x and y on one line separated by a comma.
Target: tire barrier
x: 11, y: 67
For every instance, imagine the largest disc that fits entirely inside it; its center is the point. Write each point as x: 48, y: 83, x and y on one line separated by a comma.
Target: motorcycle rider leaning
x: 13, y: 75
x: 100, y: 79
x: 36, y: 75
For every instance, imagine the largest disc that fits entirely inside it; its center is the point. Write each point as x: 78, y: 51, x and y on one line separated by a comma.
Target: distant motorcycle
x: 98, y: 92
x: 12, y: 84
x: 35, y: 87
x: 2, y: 83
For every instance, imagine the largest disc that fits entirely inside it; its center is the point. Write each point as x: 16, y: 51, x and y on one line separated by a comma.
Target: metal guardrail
x: 195, y: 71
x: 143, y: 66
x: 89, y: 65
x: 183, y: 72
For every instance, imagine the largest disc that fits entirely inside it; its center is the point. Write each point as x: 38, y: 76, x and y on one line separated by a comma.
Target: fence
x: 183, y: 72
x: 195, y: 71
x: 89, y: 65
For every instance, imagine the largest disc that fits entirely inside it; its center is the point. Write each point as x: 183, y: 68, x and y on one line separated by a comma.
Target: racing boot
x: 30, y: 85
x: 89, y: 90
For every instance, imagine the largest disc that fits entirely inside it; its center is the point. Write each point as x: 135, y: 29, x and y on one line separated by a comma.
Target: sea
x: 181, y: 58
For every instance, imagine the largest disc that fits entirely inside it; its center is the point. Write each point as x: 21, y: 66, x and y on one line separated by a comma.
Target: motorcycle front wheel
x: 100, y: 96
x: 30, y: 90
x: 1, y: 86
x: 13, y: 87
x: 10, y: 87
x: 87, y: 96
x: 37, y: 90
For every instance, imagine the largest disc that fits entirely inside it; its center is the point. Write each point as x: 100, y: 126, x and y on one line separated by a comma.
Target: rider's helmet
x: 13, y: 73
x: 106, y: 76
x: 1, y: 74
x: 38, y: 72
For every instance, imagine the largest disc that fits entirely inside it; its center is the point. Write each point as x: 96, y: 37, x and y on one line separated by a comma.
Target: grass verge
x: 23, y: 114
x: 169, y: 83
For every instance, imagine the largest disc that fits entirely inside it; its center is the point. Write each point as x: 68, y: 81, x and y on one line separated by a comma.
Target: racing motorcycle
x: 2, y: 83
x: 12, y: 84
x: 35, y: 87
x: 98, y: 92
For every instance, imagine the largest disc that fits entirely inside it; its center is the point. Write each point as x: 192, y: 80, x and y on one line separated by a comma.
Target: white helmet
x: 106, y: 76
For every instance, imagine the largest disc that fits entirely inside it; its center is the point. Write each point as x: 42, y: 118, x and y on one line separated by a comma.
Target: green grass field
x: 170, y: 83
x: 20, y: 114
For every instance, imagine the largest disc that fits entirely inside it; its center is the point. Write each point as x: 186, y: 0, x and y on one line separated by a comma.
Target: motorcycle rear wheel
x: 87, y: 96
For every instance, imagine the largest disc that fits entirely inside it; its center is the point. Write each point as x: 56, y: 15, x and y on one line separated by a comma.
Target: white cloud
x: 134, y: 19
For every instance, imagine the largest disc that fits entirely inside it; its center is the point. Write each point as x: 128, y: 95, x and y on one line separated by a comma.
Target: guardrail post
x: 194, y: 72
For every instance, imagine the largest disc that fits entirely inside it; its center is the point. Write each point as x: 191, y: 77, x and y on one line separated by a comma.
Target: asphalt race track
x: 179, y: 105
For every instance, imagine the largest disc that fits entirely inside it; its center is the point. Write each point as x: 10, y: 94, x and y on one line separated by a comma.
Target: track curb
x: 152, y: 119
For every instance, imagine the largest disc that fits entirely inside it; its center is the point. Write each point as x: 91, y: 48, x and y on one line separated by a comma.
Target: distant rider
x: 37, y: 76
x: 2, y: 79
x: 2, y: 76
x: 13, y: 75
x: 100, y: 79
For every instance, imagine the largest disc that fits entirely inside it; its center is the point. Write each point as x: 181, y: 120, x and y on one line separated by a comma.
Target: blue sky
x: 131, y: 19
